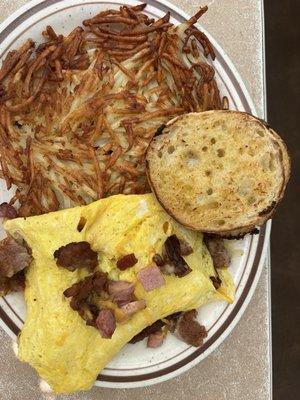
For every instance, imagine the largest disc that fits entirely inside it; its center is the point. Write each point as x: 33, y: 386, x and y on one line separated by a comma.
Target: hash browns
x: 77, y: 112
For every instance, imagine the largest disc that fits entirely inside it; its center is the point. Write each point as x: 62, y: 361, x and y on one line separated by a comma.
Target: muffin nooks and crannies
x: 220, y: 172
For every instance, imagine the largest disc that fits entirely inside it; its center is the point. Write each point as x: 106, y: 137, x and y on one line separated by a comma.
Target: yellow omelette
x: 55, y: 340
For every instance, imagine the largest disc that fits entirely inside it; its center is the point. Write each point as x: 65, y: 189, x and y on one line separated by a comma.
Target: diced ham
x: 14, y: 257
x: 121, y: 292
x: 133, y: 307
x: 14, y: 284
x: 151, y: 278
x: 106, y: 323
x: 155, y: 339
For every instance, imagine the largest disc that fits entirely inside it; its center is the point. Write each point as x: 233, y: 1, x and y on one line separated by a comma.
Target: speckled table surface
x: 241, y: 367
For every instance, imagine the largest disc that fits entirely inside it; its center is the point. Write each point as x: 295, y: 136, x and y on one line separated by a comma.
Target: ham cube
x: 121, y: 292
x: 151, y: 278
x: 133, y: 307
x: 106, y: 323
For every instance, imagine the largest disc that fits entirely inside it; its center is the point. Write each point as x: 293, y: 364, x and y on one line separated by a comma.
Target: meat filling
x: 147, y: 331
x: 106, y: 323
x: 156, y: 339
x: 151, y: 278
x: 133, y: 307
x: 216, y: 281
x: 171, y: 261
x: 76, y: 255
x: 8, y: 211
x: 189, y: 330
x: 185, y: 248
x: 173, y: 250
x: 121, y: 292
x: 81, y: 296
x: 90, y: 294
x: 127, y: 261
x: 14, y: 284
x: 218, y: 252
x: 14, y: 257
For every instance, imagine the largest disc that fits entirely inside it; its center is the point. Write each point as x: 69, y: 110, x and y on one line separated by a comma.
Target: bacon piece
x: 133, y: 307
x: 181, y: 268
x: 8, y: 211
x: 127, y: 261
x: 147, y: 331
x: 185, y: 248
x: 173, y: 253
x: 155, y: 339
x: 164, y: 264
x: 99, y: 281
x: 172, y: 246
x: 121, y: 292
x: 81, y: 224
x: 151, y: 278
x: 218, y: 252
x: 216, y: 281
x: 80, y: 293
x: 93, y: 283
x: 106, y: 323
x: 189, y: 330
x: 76, y: 255
x: 14, y: 257
x: 158, y: 260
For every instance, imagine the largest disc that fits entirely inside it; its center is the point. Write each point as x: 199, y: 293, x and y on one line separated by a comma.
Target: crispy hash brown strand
x: 77, y: 112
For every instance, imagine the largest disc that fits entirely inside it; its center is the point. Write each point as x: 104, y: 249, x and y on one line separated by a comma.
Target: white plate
x: 136, y: 365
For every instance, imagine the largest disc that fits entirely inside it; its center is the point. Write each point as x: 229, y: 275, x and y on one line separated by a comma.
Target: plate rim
x: 10, y: 24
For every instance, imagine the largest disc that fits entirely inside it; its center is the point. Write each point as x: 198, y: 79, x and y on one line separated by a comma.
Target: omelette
x: 55, y: 340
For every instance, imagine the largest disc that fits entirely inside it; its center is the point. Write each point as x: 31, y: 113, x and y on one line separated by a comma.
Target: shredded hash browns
x: 77, y: 112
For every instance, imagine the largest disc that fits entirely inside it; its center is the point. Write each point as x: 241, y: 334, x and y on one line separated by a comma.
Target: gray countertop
x: 241, y: 367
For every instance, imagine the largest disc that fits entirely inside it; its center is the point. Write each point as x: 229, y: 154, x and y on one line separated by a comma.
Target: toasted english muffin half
x: 220, y: 172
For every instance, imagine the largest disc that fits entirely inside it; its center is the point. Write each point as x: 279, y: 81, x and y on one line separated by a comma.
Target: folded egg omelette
x: 55, y: 340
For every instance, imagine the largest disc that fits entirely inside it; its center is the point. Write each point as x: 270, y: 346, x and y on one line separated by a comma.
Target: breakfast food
x: 79, y: 315
x: 219, y: 172
x: 77, y: 112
